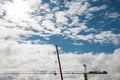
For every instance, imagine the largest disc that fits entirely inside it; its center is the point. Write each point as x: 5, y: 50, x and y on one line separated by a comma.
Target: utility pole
x: 59, y: 63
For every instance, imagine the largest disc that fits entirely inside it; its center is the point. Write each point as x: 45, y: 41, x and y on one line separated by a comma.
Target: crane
x: 85, y: 73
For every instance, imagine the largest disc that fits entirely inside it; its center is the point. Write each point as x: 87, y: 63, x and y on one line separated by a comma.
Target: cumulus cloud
x: 114, y: 15
x: 103, y: 7
x: 29, y: 17
x: 18, y: 10
x: 107, y: 37
x: 29, y: 57
x: 20, y: 18
x: 104, y: 37
x: 60, y: 17
x: 77, y: 7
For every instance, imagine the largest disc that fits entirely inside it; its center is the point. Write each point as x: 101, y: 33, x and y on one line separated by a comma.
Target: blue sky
x: 100, y: 16
x: 75, y: 26
x: 86, y: 32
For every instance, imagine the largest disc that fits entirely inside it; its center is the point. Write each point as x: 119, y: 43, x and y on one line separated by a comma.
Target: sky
x: 86, y: 32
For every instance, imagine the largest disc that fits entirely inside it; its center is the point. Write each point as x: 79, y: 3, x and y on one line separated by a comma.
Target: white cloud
x: 33, y: 57
x: 1, y: 9
x: 94, y: 9
x: 54, y: 1
x: 114, y: 15
x: 78, y: 44
x: 104, y: 37
x: 90, y: 10
x: 20, y: 54
x: 88, y: 37
x: 107, y: 37
x: 24, y: 16
x: 73, y: 32
x: 77, y: 7
x: 60, y: 17
x: 50, y: 27
x: 11, y: 32
x: 19, y: 19
x: 20, y: 10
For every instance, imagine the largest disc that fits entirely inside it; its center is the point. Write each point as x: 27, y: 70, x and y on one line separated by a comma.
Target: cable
x: 52, y: 72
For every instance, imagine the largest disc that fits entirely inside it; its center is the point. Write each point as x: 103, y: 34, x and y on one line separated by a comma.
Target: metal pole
x: 59, y: 63
x: 85, y: 72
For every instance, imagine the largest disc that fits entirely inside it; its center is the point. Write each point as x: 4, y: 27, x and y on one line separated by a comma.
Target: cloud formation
x: 33, y: 57
x: 28, y: 17
x: 21, y: 19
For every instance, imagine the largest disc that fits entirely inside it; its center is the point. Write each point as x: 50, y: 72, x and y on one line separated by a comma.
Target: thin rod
x: 59, y: 63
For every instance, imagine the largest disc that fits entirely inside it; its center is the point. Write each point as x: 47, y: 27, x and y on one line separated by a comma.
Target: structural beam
x: 59, y: 63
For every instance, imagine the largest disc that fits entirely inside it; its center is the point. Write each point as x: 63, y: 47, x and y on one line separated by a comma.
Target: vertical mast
x: 85, y: 72
x: 59, y: 63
